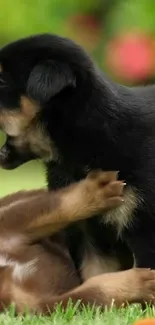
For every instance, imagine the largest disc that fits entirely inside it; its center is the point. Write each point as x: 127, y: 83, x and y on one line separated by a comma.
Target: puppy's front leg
x: 46, y: 213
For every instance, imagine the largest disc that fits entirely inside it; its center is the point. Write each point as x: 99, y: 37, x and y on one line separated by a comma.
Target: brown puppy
x: 40, y: 273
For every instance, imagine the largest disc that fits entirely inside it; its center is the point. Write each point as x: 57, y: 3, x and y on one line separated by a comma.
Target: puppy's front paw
x: 104, y: 190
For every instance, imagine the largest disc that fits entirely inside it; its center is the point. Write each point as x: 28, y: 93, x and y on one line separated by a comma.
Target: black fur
x: 94, y: 123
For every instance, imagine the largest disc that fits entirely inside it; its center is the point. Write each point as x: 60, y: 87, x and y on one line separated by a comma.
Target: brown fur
x: 29, y: 134
x: 120, y: 288
x: 16, y: 121
x: 26, y: 132
x: 38, y: 272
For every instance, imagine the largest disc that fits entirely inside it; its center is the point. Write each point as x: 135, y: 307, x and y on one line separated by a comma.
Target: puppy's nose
x: 3, y: 153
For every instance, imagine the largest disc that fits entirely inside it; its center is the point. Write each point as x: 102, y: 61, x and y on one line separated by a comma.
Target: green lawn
x: 28, y: 176
x: 124, y: 316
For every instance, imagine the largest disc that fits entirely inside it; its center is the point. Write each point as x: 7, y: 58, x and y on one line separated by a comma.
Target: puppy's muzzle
x: 10, y: 158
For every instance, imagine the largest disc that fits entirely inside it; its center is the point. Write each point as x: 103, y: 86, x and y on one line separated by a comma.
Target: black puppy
x: 56, y: 105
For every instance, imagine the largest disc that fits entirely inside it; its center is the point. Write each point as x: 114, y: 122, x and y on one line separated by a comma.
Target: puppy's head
x: 42, y: 80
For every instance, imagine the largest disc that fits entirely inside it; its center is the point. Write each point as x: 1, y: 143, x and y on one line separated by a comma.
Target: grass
x: 31, y: 175
x: 28, y: 176
x: 123, y: 316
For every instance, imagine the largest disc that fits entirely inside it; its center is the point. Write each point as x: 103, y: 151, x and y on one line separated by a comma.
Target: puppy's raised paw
x: 103, y: 177
x: 103, y: 190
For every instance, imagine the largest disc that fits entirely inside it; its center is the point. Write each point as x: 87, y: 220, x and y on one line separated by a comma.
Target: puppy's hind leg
x: 121, y: 288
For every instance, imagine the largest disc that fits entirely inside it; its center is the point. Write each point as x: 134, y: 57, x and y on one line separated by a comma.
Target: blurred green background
x: 119, y: 34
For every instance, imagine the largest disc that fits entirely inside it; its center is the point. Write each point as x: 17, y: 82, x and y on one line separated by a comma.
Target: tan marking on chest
x: 123, y: 216
x: 93, y: 264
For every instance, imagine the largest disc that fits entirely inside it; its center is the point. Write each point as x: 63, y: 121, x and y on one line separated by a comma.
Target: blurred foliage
x: 118, y: 33
x: 20, y: 18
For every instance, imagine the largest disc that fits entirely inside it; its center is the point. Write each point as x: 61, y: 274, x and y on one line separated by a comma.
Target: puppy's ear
x: 48, y: 79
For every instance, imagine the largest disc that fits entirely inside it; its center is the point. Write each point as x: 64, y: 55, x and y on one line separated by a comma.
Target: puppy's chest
x: 101, y: 240
x: 123, y: 216
x: 100, y: 246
